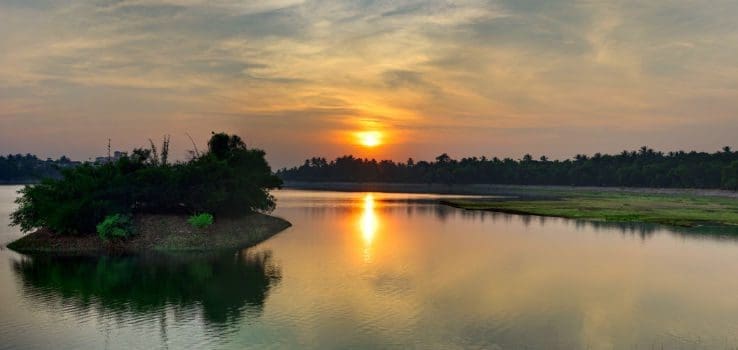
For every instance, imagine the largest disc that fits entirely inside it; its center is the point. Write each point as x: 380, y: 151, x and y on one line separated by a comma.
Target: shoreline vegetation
x: 523, y: 191
x: 641, y: 168
x: 24, y: 169
x: 215, y: 200
x: 674, y: 207
x: 671, y: 210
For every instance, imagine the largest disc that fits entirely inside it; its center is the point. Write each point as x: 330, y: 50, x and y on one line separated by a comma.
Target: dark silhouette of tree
x: 644, y: 167
x: 221, y: 145
x: 28, y: 168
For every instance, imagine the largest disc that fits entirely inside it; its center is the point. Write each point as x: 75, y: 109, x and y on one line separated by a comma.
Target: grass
x: 678, y: 210
x: 201, y: 220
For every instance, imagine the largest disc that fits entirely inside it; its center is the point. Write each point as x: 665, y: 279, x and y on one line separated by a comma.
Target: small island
x: 215, y: 200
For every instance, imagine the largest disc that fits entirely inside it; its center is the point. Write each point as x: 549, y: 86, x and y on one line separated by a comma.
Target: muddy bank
x: 161, y: 233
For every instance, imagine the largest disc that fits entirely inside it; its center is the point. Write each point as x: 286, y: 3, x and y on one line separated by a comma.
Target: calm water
x: 379, y: 270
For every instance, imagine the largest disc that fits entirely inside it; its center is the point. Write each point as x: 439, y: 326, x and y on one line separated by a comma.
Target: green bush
x: 201, y: 220
x: 115, y: 226
x: 227, y: 179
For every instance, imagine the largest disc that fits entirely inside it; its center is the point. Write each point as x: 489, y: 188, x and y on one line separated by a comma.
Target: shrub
x: 201, y: 220
x: 115, y: 226
x: 228, y: 179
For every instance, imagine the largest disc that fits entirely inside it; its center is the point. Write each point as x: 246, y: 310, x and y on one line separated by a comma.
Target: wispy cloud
x: 417, y: 69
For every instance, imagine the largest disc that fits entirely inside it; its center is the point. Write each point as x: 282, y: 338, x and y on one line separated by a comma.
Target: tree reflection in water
x: 223, y: 286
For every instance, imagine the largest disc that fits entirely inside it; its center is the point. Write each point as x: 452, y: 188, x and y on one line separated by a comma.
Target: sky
x: 303, y: 78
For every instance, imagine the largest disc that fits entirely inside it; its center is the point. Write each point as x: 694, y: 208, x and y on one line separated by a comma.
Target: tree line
x: 641, y: 168
x: 27, y: 168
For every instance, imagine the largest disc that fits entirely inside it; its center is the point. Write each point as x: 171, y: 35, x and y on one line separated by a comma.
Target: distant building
x: 114, y: 157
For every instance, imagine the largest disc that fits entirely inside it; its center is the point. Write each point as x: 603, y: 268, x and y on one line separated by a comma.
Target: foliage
x: 201, y: 220
x: 28, y: 168
x: 115, y: 226
x: 228, y: 179
x: 729, y: 178
x: 642, y: 168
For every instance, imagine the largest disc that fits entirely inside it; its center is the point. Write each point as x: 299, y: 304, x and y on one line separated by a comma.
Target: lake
x: 378, y: 270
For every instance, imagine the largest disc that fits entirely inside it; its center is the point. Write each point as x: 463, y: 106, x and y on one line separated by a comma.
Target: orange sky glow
x: 415, y: 78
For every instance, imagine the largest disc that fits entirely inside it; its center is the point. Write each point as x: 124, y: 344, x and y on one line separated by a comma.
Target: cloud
x: 416, y: 67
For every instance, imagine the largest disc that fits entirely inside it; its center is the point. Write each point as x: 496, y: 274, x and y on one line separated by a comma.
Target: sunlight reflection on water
x: 378, y: 270
x: 369, y: 224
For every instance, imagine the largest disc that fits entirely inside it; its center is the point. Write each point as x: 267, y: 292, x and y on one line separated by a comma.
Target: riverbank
x: 679, y: 209
x: 668, y: 206
x: 161, y: 233
x: 518, y: 191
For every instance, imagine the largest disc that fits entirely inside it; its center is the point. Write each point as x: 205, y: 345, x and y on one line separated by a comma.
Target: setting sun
x: 370, y: 138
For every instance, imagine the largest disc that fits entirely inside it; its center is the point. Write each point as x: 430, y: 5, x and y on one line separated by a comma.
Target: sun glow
x: 369, y: 138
